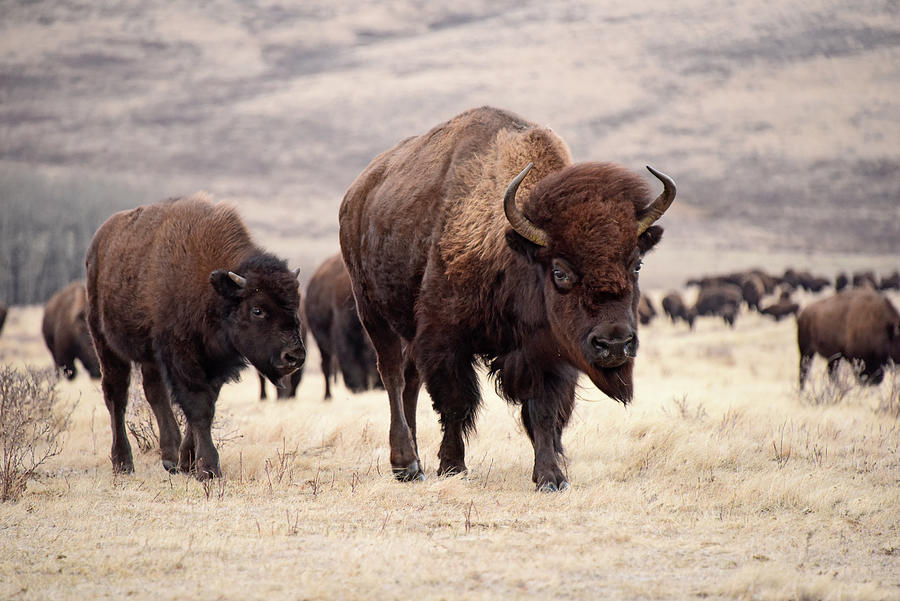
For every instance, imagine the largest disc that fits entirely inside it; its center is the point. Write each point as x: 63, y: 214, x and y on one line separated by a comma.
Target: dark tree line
x: 46, y: 224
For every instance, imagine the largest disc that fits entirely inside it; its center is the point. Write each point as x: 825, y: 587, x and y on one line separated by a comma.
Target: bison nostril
x: 600, y: 346
x: 293, y: 358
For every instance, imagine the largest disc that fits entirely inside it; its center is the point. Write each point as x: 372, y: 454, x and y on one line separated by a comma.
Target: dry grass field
x: 721, y: 481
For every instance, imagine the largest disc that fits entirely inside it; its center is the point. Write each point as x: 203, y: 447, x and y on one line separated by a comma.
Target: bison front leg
x: 198, y: 454
x: 544, y: 421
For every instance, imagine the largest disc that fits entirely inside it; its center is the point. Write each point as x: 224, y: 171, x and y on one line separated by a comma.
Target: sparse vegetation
x: 32, y: 426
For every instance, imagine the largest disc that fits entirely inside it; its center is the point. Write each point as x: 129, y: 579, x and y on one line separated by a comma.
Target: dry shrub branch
x: 31, y: 430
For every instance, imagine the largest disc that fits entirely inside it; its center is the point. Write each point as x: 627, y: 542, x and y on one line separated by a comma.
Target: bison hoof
x: 409, y: 473
x: 551, y: 487
x: 170, y: 466
x: 123, y: 468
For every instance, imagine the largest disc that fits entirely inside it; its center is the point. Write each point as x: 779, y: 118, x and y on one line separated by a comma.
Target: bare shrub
x: 889, y: 400
x: 141, y: 423
x: 827, y: 389
x: 31, y: 431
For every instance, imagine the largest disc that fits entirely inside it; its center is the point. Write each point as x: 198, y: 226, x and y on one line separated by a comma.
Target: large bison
x: 448, y: 267
x: 675, y: 307
x: 286, y: 388
x: 66, y: 331
x: 857, y: 325
x: 335, y: 326
x: 180, y: 288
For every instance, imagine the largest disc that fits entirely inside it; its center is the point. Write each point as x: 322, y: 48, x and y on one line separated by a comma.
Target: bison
x: 890, y: 282
x: 783, y: 307
x: 646, y: 311
x: 723, y: 300
x: 674, y: 306
x: 841, y: 281
x: 753, y: 289
x: 448, y: 267
x: 180, y: 288
x: 335, y: 326
x: 66, y: 331
x: 858, y: 325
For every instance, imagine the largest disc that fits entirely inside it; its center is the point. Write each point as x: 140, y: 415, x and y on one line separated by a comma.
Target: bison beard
x: 447, y: 268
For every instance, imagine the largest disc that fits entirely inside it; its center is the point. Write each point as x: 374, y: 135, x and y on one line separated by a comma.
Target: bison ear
x: 648, y: 239
x: 521, y: 245
x: 224, y: 284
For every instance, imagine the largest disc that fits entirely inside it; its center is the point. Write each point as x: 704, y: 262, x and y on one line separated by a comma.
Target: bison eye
x: 637, y: 266
x: 563, y: 278
x: 258, y: 313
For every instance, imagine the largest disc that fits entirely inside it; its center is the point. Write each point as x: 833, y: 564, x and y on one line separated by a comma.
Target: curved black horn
x: 516, y: 218
x: 656, y: 209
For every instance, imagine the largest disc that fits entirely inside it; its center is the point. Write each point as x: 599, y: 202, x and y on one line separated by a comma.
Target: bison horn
x: 655, y: 210
x: 297, y: 273
x: 239, y: 280
x: 516, y: 217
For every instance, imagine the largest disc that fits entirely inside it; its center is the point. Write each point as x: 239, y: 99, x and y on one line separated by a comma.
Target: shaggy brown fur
x: 441, y: 279
x: 66, y: 332
x: 160, y: 294
x: 859, y: 324
x: 336, y: 329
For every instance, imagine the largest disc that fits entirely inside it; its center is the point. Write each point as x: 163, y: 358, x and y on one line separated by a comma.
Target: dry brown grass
x: 720, y: 481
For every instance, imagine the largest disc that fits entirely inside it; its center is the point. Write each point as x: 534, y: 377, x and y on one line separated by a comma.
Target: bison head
x: 586, y: 230
x: 261, y: 301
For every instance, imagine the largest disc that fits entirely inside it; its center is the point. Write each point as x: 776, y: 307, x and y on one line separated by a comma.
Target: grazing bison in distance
x: 857, y: 325
x: 841, y: 281
x: 890, y: 282
x: 780, y: 309
x: 752, y: 289
x: 448, y: 267
x: 66, y: 333
x: 646, y: 312
x: 675, y: 307
x: 335, y: 326
x: 723, y: 300
x: 287, y: 385
x: 180, y: 288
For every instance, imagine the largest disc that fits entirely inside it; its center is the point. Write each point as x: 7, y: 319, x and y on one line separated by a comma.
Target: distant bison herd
x: 479, y: 241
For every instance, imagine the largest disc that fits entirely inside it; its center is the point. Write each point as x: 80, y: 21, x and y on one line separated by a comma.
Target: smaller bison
x: 674, y: 306
x: 859, y: 325
x: 335, y: 326
x: 890, y: 282
x: 646, y: 311
x: 66, y: 332
x: 180, y: 289
x: 723, y: 300
x: 782, y: 308
x: 865, y: 279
